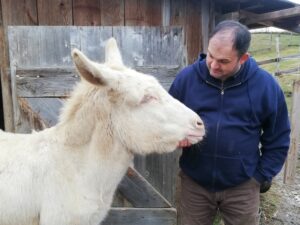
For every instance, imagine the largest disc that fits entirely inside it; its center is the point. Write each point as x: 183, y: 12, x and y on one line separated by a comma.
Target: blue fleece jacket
x: 246, y: 121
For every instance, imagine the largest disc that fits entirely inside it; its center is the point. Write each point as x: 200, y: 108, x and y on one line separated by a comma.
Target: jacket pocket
x: 199, y: 167
x: 230, y: 171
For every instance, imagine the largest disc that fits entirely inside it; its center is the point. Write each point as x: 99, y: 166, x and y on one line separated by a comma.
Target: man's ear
x: 244, y: 58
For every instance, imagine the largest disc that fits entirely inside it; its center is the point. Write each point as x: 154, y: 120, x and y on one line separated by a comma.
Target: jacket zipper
x: 222, y: 89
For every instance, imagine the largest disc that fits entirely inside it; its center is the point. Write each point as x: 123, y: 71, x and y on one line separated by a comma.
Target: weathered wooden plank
x: 139, y: 46
x: 297, y: 69
x: 278, y: 59
x: 112, y: 12
x: 188, y: 14
x: 91, y: 40
x: 42, y: 112
x: 5, y: 79
x: 47, y: 54
x: 140, y: 193
x: 16, y: 111
x: 45, y: 82
x: 87, y: 12
x: 292, y: 158
x: 154, y: 13
x: 178, y: 13
x: 55, y: 12
x: 207, y: 22
x: 143, y: 13
x: 193, y: 30
x: 147, y: 46
x: 166, y: 12
x: 24, y: 46
x: 168, y: 47
x: 136, y: 216
x: 34, y: 46
x: 130, y: 41
x: 19, y: 13
x: 58, y: 82
x: 156, y: 169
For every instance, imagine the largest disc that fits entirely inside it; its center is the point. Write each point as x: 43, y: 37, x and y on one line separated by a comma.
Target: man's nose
x: 214, y: 64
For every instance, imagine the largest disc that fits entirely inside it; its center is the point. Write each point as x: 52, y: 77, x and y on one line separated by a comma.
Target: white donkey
x: 67, y: 174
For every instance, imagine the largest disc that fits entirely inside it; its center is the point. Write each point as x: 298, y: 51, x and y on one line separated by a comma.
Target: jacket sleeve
x: 275, y: 139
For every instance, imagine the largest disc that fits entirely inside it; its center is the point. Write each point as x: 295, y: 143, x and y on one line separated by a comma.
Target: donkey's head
x: 143, y: 117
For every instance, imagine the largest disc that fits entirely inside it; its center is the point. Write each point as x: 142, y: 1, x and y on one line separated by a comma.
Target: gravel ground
x: 285, y: 200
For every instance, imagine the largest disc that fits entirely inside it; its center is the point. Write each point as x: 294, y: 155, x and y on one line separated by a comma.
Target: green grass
x: 263, y: 46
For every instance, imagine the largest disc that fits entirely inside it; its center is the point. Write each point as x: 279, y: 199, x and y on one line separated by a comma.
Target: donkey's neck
x: 83, y: 117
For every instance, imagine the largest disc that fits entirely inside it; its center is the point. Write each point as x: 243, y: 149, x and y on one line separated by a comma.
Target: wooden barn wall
x: 109, y: 13
x: 186, y: 13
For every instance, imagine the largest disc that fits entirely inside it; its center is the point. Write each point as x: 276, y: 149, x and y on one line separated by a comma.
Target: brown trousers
x: 238, y: 205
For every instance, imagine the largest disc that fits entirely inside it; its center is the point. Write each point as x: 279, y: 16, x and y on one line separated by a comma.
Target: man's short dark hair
x: 241, y: 34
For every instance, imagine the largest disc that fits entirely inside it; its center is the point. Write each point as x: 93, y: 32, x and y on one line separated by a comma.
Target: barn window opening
x: 1, y: 109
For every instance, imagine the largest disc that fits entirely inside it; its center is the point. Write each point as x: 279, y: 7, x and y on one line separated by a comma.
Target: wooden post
x: 291, y: 161
x: 5, y: 81
x: 277, y: 53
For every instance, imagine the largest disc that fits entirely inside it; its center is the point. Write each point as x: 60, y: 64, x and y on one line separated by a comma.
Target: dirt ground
x: 281, y: 204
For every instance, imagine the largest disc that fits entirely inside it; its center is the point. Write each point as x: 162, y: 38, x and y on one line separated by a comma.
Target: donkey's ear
x: 87, y: 69
x: 113, y: 56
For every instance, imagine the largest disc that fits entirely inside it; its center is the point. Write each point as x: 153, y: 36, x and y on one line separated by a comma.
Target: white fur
x: 67, y: 174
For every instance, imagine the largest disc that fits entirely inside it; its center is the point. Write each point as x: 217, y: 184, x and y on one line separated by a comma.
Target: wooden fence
x: 292, y: 159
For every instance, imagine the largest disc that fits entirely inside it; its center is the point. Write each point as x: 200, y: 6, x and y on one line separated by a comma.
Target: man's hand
x: 184, y: 143
x: 265, y: 186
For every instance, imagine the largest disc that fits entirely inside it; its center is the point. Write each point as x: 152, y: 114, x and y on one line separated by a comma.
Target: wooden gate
x: 42, y: 75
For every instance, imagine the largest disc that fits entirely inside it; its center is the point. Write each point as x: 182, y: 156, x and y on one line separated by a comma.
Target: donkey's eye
x: 148, y: 98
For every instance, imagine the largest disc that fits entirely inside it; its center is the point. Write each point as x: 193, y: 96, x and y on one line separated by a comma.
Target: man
x: 247, y: 131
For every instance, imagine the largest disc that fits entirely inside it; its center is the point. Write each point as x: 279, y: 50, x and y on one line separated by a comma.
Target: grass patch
x: 269, y: 202
x: 263, y: 46
x: 286, y: 82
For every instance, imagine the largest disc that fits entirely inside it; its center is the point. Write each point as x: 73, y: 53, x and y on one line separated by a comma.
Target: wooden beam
x: 276, y: 15
x: 291, y: 162
x: 243, y: 15
x: 140, y: 193
x: 228, y: 16
x: 58, y: 82
x: 138, y: 216
x: 5, y: 81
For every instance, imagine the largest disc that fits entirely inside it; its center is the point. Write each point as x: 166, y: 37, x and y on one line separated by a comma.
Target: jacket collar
x: 245, y: 72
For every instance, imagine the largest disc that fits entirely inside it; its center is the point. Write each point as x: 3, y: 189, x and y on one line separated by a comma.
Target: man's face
x: 222, y: 60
